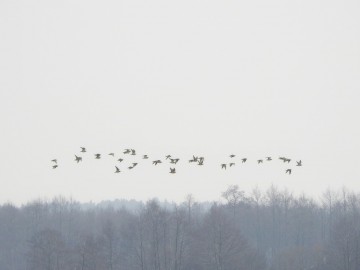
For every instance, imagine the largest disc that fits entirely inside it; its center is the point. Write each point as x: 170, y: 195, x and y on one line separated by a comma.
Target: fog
x: 203, y: 78
x: 196, y: 78
x: 269, y: 229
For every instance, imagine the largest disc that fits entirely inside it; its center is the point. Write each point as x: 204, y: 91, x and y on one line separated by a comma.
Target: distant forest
x: 271, y: 229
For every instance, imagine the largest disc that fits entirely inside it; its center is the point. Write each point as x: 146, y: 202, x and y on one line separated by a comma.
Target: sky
x: 193, y: 77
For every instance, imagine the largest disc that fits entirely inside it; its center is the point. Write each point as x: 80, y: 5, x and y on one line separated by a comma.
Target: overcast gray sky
x: 211, y: 78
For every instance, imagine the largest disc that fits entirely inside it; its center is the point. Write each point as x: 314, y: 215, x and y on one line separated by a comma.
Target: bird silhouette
x: 54, y: 160
x: 201, y: 162
x: 133, y: 152
x: 244, y: 160
x: 130, y: 167
x: 194, y: 159
x: 287, y: 160
x: 232, y: 164
x: 120, y: 159
x: 97, y: 156
x: 145, y: 157
x: 283, y: 159
x: 112, y: 154
x: 268, y: 158
x: 117, y: 169
x: 174, y: 160
x: 172, y: 170
x: 127, y: 151
x: 223, y: 166
x: 168, y: 156
x: 232, y: 155
x: 155, y: 162
x: 260, y: 161
x: 55, y: 166
x: 299, y: 163
x: 134, y: 164
x: 78, y: 159
x: 83, y: 149
x: 288, y: 171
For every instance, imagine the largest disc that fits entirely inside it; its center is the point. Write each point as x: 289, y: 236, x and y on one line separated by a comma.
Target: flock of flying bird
x: 195, y: 159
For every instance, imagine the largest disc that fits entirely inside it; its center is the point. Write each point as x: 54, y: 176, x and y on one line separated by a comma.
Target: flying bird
x: 174, y: 160
x: 244, y: 160
x: 120, y: 159
x: 97, y: 156
x: 112, y: 154
x: 194, y: 159
x: 268, y: 158
x: 83, y: 149
x: 133, y: 152
x: 288, y: 171
x: 232, y: 164
x: 223, y: 166
x: 127, y: 151
x: 172, y: 170
x: 155, y: 162
x: 232, y: 155
x: 78, y: 159
x: 168, y: 156
x: 55, y: 166
x: 284, y: 159
x: 117, y: 169
x: 145, y: 157
x: 54, y: 160
x: 299, y: 163
x: 134, y: 164
x: 260, y: 161
x: 200, y: 160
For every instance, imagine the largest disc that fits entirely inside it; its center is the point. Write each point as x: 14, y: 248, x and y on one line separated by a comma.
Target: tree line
x: 271, y: 229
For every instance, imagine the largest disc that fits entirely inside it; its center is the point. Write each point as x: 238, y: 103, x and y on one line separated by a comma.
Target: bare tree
x: 47, y: 251
x: 233, y: 196
x: 190, y: 201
